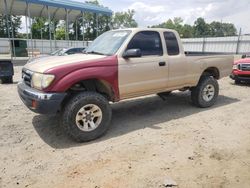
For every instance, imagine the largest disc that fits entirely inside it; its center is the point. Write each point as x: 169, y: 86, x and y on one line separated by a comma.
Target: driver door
x: 146, y: 74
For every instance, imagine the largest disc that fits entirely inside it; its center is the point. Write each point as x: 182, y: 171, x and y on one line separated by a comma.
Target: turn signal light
x: 34, y: 104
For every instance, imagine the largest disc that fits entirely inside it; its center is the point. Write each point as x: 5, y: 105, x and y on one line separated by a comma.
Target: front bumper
x: 240, y: 77
x: 39, y: 102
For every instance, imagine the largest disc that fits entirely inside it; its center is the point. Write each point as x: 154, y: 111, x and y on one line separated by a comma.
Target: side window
x: 171, y: 43
x: 149, y: 42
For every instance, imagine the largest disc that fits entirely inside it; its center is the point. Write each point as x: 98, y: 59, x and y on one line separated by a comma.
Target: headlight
x: 41, y: 81
x: 235, y: 66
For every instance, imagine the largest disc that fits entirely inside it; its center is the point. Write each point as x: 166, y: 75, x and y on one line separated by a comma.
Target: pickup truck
x: 119, y: 64
x: 241, y: 70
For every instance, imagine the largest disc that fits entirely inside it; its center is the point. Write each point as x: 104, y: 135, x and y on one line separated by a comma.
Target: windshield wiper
x: 94, y: 52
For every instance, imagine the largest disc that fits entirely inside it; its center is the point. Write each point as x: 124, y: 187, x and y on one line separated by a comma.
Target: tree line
x: 40, y: 26
x: 200, y: 28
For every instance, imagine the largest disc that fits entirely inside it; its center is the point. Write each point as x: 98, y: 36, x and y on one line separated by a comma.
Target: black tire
x: 70, y: 110
x: 237, y: 82
x: 197, y: 92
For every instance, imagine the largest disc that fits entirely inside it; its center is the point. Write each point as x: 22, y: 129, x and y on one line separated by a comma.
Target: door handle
x: 163, y: 63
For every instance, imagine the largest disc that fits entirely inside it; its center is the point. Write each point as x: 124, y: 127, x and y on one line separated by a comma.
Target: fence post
x: 238, y: 42
x: 203, y: 45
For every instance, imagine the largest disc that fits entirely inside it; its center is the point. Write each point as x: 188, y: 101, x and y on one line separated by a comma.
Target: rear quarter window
x: 171, y: 43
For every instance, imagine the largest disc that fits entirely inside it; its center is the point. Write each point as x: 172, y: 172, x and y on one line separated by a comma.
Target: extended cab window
x: 149, y: 42
x: 171, y: 43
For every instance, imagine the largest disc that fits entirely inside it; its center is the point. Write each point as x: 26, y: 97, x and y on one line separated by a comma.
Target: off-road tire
x: 196, y: 92
x: 71, y: 109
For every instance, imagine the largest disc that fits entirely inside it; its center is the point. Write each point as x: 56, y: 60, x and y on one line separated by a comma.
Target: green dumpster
x: 20, y: 47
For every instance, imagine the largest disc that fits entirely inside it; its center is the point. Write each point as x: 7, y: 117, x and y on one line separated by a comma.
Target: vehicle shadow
x: 247, y: 84
x: 128, y: 116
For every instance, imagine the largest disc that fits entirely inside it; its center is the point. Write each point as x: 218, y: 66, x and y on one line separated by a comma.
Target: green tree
x: 229, y: 29
x: 169, y: 24
x: 39, y: 28
x: 187, y: 31
x: 201, y: 28
x: 220, y: 29
x: 76, y: 29
x: 118, y: 20
x: 124, y: 20
x: 16, y: 23
x: 216, y: 29
x: 90, y: 24
x: 60, y: 31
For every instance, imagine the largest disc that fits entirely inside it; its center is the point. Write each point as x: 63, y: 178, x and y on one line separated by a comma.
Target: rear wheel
x: 86, y: 116
x: 206, y: 92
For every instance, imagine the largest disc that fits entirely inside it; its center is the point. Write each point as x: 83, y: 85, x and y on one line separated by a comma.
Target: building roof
x: 57, y: 8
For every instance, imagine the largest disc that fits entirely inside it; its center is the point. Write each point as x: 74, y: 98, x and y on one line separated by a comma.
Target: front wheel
x: 86, y: 116
x: 206, y: 92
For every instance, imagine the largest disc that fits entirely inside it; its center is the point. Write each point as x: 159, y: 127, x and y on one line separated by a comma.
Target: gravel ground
x: 150, y: 140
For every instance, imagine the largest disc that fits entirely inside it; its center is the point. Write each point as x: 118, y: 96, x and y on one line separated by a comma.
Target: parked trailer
x: 6, y: 71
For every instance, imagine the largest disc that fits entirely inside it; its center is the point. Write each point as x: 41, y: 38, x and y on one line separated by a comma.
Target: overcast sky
x: 152, y: 12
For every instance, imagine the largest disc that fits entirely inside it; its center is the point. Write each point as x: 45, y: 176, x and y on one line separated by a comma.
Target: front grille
x: 245, y: 67
x: 244, y: 76
x: 26, y: 76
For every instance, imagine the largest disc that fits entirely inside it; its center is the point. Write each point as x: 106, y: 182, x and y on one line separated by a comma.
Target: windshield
x: 108, y: 43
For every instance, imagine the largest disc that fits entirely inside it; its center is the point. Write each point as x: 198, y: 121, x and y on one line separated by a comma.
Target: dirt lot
x: 149, y: 140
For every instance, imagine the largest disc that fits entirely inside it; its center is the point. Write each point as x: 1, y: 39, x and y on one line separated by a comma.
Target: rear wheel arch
x: 211, y: 71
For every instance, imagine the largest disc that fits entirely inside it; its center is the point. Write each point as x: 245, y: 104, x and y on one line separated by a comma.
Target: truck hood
x: 245, y: 61
x: 42, y: 64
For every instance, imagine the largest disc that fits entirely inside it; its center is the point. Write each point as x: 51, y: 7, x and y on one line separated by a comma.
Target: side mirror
x: 243, y: 56
x: 132, y: 53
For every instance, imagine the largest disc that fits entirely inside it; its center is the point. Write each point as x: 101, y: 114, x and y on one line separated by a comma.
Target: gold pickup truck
x: 118, y: 65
